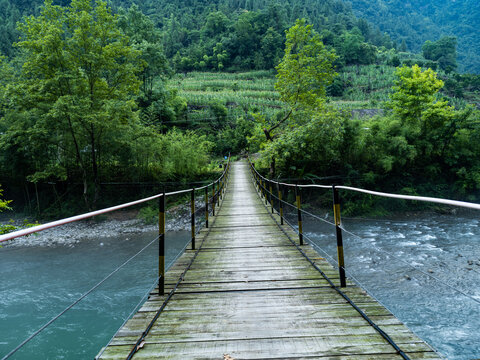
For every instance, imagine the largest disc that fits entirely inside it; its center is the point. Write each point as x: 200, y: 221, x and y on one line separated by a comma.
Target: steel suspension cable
x: 414, y: 267
x: 302, y: 210
x: 135, y: 309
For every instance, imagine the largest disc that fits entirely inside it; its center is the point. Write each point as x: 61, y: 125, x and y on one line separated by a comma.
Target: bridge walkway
x: 251, y: 294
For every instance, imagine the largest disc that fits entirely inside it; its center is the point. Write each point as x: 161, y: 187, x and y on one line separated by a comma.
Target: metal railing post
x: 161, y: 244
x: 192, y: 208
x: 299, y: 213
x: 218, y: 193
x: 213, y: 199
x: 220, y: 189
x: 280, y: 204
x: 338, y: 229
x: 271, y: 196
x: 265, y: 191
x: 206, y: 207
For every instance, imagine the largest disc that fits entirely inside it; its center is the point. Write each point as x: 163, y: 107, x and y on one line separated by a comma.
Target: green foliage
x: 443, y: 51
x: 307, y: 149
x: 9, y: 227
x: 4, y: 203
x: 74, y: 103
x: 9, y: 16
x: 143, y: 36
x: 78, y: 78
x: 234, y: 139
x: 149, y: 214
x: 186, y: 154
x: 411, y: 24
x: 422, y: 146
x: 353, y: 49
x: 306, y: 68
x: 414, y: 96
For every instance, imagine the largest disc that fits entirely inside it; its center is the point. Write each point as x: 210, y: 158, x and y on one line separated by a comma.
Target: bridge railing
x: 274, y: 193
x: 211, y: 194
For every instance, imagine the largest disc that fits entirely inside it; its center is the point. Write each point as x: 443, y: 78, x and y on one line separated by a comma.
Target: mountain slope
x: 415, y: 21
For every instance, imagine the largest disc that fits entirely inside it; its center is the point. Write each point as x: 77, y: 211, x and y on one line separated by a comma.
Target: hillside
x: 200, y: 80
x: 416, y: 21
x: 223, y: 34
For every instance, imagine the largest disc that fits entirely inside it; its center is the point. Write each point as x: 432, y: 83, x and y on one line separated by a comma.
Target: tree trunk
x: 81, y: 164
x: 272, y: 168
x: 94, y: 166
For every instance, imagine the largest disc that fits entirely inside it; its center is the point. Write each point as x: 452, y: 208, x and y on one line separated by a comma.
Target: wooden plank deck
x: 250, y: 294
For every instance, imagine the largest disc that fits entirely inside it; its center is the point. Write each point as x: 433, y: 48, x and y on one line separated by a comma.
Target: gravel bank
x: 70, y: 234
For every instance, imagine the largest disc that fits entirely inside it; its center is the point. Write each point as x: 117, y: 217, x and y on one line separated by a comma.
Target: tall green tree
x: 304, y: 72
x: 444, y: 51
x: 428, y: 121
x: 143, y: 36
x: 75, y: 95
x: 414, y: 98
x: 302, y: 76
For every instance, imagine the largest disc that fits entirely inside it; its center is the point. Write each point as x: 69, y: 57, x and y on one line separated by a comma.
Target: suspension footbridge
x: 250, y: 291
x: 252, y: 285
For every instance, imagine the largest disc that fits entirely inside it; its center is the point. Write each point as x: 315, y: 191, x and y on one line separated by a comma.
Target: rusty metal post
x: 213, y: 199
x: 271, y: 196
x: 161, y: 244
x: 280, y: 204
x: 192, y: 210
x: 206, y: 207
x: 338, y: 229
x: 265, y: 192
x: 299, y: 214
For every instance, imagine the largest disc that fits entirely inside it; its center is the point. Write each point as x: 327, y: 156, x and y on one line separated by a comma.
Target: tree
x: 302, y: 76
x: 354, y: 50
x: 75, y: 95
x: 304, y: 72
x: 428, y: 120
x: 143, y: 36
x: 444, y: 51
x: 215, y: 24
x: 5, y: 228
x: 271, y: 48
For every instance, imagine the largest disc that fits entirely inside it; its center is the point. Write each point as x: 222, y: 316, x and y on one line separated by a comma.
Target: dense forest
x: 94, y: 95
x: 413, y: 22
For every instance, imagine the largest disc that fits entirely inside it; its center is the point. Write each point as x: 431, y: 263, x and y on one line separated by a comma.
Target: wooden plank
x: 251, y: 294
x: 264, y: 348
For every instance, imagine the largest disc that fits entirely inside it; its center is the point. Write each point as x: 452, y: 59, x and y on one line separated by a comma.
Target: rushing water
x: 37, y: 283
x: 440, y: 301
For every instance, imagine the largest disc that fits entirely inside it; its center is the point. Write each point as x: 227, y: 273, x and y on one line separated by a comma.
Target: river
x: 425, y: 269
x: 40, y: 281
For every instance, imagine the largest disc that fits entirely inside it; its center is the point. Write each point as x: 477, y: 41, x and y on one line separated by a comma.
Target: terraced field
x: 363, y: 87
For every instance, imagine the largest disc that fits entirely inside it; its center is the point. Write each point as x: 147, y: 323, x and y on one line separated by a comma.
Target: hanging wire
x: 76, y: 301
x: 406, y: 197
x: 135, y: 309
x: 341, y: 293
x: 413, y: 266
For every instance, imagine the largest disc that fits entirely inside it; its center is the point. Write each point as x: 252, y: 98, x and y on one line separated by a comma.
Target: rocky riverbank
x: 178, y: 219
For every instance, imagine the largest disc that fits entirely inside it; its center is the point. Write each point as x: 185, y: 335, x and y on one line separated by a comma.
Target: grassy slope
x: 366, y: 87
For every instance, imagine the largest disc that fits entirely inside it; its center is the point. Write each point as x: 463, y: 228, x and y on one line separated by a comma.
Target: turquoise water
x: 37, y: 283
x: 414, y: 266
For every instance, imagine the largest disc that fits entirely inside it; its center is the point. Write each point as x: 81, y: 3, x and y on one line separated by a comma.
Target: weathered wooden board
x: 252, y: 295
